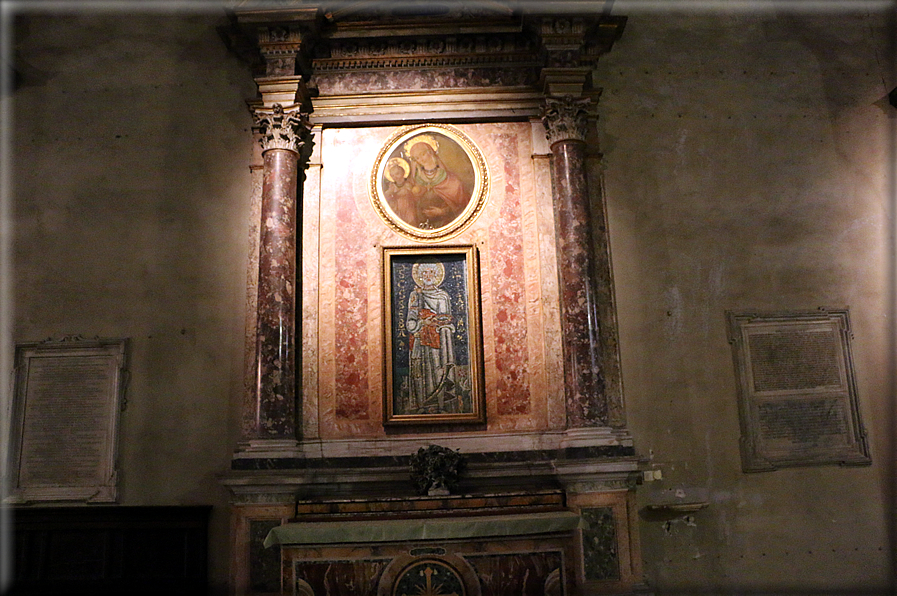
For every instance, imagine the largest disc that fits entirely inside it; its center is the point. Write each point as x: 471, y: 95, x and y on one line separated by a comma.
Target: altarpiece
x: 430, y: 267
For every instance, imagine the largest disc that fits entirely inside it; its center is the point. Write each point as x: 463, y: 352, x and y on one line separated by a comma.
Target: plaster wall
x: 749, y: 166
x: 130, y: 196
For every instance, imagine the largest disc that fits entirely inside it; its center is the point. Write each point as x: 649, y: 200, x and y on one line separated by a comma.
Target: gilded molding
x: 282, y: 129
x: 566, y: 119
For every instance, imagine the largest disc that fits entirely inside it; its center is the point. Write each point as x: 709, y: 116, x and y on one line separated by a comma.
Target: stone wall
x: 749, y: 166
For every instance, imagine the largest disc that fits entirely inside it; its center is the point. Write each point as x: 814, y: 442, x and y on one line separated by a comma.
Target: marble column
x: 283, y: 137
x: 566, y: 123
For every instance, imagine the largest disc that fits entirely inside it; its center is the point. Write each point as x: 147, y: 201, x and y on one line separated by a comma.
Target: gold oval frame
x: 395, y: 146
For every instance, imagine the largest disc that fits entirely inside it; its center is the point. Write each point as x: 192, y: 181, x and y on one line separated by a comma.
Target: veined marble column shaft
x: 283, y: 136
x: 565, y: 121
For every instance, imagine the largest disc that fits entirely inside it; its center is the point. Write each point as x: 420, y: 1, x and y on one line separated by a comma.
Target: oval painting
x: 429, y: 182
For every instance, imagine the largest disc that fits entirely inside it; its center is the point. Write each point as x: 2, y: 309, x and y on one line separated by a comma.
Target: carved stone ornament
x: 281, y: 129
x: 566, y: 119
x: 280, y: 47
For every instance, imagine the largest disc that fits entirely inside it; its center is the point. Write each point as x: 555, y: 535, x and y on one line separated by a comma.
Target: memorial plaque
x: 66, y: 408
x: 797, y: 395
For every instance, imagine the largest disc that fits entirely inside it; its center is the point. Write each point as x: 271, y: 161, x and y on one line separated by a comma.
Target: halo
x: 415, y: 271
x: 401, y: 163
x: 428, y: 139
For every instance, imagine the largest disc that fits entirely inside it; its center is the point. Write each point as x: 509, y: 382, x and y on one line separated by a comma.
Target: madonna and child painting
x: 429, y: 182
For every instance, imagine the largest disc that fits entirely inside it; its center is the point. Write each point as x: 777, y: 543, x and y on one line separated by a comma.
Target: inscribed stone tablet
x: 66, y: 416
x: 797, y: 397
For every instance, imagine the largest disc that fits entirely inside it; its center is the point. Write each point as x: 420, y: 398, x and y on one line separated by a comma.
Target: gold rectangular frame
x: 433, y: 361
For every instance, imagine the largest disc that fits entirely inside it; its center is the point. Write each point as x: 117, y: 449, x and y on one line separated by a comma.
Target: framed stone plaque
x: 66, y: 406
x: 796, y: 390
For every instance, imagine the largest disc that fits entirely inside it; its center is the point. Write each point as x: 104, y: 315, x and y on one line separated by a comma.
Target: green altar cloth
x: 402, y: 530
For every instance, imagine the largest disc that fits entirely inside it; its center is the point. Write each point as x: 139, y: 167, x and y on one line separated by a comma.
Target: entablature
x: 425, y: 54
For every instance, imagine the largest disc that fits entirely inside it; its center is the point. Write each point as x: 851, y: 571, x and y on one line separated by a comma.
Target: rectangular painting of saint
x: 433, y: 340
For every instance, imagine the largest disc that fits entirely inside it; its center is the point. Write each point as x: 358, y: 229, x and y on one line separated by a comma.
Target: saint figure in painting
x: 429, y: 323
x: 441, y: 196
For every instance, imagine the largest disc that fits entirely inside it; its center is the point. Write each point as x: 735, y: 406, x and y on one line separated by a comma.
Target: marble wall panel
x: 248, y: 409
x: 264, y: 563
x: 343, y: 83
x: 508, y: 234
x: 549, y: 304
x: 309, y: 286
x: 520, y: 574
x: 339, y: 578
x: 508, y: 293
x: 344, y: 384
x: 533, y: 270
x: 350, y: 313
x: 599, y: 544
x: 511, y: 270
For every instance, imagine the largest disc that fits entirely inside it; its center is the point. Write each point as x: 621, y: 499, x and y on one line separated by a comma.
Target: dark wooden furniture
x: 108, y: 550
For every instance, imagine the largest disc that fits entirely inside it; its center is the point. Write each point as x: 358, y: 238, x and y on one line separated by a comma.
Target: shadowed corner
x: 891, y: 294
x: 892, y: 319
x: 9, y: 79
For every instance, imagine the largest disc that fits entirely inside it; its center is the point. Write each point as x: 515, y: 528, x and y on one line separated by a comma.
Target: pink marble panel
x: 351, y: 309
x: 508, y: 294
x: 508, y: 233
x: 551, y: 346
x: 534, y: 269
x: 350, y: 391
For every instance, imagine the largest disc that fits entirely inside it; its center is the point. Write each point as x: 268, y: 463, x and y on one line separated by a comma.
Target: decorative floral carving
x: 448, y: 48
x: 436, y: 470
x: 562, y: 26
x: 282, y: 130
x: 563, y: 58
x: 279, y: 34
x: 566, y: 118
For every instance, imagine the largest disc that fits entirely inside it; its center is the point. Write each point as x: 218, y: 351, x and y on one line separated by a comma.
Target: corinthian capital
x: 281, y: 130
x: 566, y: 119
